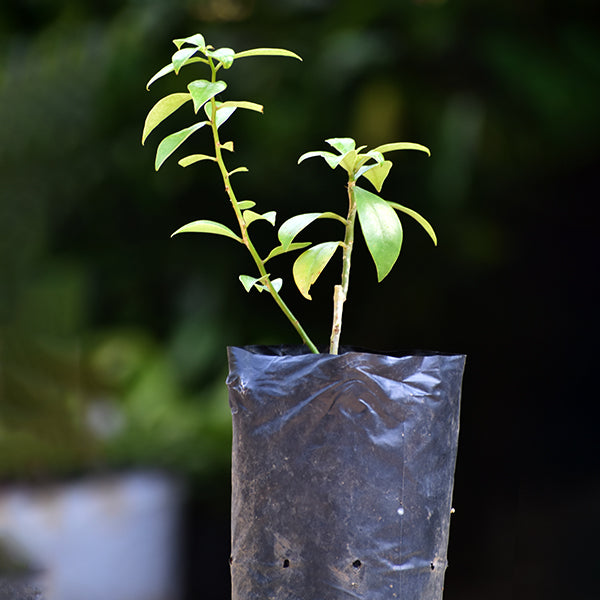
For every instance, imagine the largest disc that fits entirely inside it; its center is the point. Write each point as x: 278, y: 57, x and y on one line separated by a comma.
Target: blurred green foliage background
x: 112, y: 336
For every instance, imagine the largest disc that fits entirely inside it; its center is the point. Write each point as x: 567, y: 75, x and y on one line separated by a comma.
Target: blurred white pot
x: 109, y: 538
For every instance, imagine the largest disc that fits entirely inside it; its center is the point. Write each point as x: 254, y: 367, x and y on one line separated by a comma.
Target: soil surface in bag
x: 342, y: 473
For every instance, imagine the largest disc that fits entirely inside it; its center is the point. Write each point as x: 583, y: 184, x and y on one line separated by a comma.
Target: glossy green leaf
x: 283, y: 249
x: 194, y: 158
x: 173, y: 141
x: 342, y: 145
x: 181, y: 57
x: 238, y: 170
x: 244, y: 204
x: 250, y: 216
x: 381, y: 229
x: 204, y: 226
x: 202, y: 91
x: 196, y: 40
x: 402, y: 146
x: 224, y: 55
x: 242, y: 104
x: 310, y: 264
x: 378, y: 174
x: 161, y: 110
x: 293, y: 226
x: 417, y: 217
x: 333, y: 160
x: 267, y: 52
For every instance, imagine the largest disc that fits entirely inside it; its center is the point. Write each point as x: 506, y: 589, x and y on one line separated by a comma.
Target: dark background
x: 101, y: 314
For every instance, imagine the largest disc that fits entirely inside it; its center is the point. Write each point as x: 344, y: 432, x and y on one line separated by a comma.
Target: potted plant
x: 343, y: 460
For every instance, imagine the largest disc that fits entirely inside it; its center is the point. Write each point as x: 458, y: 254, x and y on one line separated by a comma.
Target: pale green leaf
x: 244, y: 204
x: 202, y: 91
x: 194, y: 158
x: 238, y: 170
x: 242, y: 104
x: 196, y: 40
x: 293, y: 226
x: 381, y: 229
x: 266, y: 52
x: 378, y: 174
x: 170, y: 68
x: 227, y: 146
x: 173, y: 141
x: 342, y: 145
x: 283, y: 249
x: 223, y: 112
x: 402, y: 146
x: 333, y: 160
x: 181, y: 57
x: 259, y: 282
x: 250, y: 216
x: 248, y: 282
x: 417, y: 217
x: 310, y: 264
x: 205, y: 226
x: 348, y: 162
x: 161, y: 110
x: 164, y: 71
x: 224, y: 55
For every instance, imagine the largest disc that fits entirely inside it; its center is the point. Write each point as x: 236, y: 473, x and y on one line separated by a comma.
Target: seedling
x: 378, y: 218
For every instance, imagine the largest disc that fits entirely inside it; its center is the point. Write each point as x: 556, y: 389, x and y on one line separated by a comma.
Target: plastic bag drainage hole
x: 286, y: 563
x: 357, y: 564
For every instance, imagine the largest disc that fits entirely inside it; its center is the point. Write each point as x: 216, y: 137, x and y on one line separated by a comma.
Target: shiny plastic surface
x: 342, y: 473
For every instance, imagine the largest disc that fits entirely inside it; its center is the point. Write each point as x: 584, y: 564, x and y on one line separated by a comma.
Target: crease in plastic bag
x: 342, y: 473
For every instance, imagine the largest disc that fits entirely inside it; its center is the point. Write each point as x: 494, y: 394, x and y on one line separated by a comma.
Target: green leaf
x: 181, y: 57
x: 381, y: 229
x: 342, y: 145
x: 378, y: 174
x: 173, y: 141
x: 417, y: 217
x: 194, y: 158
x: 196, y: 40
x: 164, y: 71
x: 227, y: 146
x: 283, y: 249
x: 242, y: 104
x: 238, y: 170
x: 310, y: 264
x: 266, y: 52
x: 402, y: 146
x: 333, y: 160
x: 224, y: 55
x: 244, y: 204
x: 202, y: 91
x: 250, y: 216
x: 223, y: 112
x: 249, y: 282
x: 161, y: 110
x: 348, y: 162
x: 293, y: 226
x: 204, y: 226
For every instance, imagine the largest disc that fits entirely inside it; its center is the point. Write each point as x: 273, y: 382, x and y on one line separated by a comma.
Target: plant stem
x: 340, y: 291
x: 244, y: 229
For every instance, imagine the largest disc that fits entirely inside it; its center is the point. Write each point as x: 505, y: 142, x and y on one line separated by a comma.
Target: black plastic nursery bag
x: 342, y: 473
